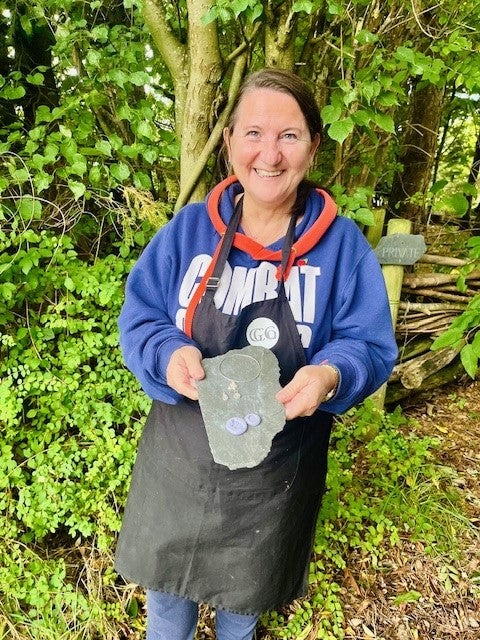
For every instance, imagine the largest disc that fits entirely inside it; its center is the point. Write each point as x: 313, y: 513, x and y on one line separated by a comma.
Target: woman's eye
x: 289, y: 135
x: 253, y: 134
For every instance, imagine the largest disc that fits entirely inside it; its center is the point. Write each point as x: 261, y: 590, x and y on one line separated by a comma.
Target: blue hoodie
x: 336, y: 292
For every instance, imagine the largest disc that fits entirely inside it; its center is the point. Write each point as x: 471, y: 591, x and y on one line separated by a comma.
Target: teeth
x: 267, y: 174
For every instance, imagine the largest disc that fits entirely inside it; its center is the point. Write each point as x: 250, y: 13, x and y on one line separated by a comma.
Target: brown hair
x: 283, y: 82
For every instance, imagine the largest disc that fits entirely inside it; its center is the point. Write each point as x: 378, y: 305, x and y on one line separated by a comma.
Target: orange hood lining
x: 257, y: 251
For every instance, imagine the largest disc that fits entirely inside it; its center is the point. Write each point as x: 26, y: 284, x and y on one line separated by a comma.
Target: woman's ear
x: 226, y: 140
x: 314, y: 145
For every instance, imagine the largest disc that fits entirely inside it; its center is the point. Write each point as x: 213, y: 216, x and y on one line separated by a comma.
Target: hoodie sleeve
x: 362, y: 344
x: 148, y: 334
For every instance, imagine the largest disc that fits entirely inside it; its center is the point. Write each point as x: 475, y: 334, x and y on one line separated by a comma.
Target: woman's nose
x: 271, y: 151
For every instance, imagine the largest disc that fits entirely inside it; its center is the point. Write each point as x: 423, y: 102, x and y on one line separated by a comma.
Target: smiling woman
x: 264, y: 261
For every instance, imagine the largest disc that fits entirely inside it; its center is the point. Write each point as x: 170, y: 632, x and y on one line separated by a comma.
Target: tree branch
x: 171, y: 49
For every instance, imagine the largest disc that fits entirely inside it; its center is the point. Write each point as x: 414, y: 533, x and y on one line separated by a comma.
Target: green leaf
x: 118, y: 76
x: 104, y: 147
x: 469, y: 189
x: 331, y: 113
x: 95, y: 175
x: 141, y: 180
x: 100, y: 33
x: 120, y: 171
x: 384, y: 121
x: 150, y: 154
x: 36, y: 78
x: 340, y: 130
x: 12, y: 93
x: 42, y: 181
x: 22, y: 175
x: 469, y: 360
x: 476, y: 344
x: 366, y: 37
x: 209, y: 16
x: 139, y: 78
x: 438, y: 186
x: 94, y: 58
x: 77, y: 188
x: 68, y: 149
x: 409, y: 596
x: 364, y: 216
x: 457, y: 202
x: 133, y: 608
x: 29, y: 208
x: 405, y: 54
x: 69, y: 284
x: 146, y: 130
x: 302, y: 5
x: 362, y: 117
x: 43, y: 114
x: 449, y: 338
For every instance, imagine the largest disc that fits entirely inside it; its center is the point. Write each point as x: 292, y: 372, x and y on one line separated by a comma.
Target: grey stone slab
x: 400, y: 249
x: 236, y: 384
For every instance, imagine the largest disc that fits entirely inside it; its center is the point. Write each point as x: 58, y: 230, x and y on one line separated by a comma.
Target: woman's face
x: 270, y: 148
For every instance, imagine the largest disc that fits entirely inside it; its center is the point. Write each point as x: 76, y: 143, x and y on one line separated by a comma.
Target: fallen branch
x: 415, y: 371
x: 414, y: 348
x: 433, y: 279
x: 443, y: 260
x: 430, y: 323
x: 429, y: 307
x: 432, y: 293
x: 452, y: 372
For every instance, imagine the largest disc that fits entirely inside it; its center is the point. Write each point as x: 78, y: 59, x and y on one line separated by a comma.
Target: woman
x: 264, y: 251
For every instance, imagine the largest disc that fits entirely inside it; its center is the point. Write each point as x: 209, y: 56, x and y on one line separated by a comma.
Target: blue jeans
x: 173, y: 618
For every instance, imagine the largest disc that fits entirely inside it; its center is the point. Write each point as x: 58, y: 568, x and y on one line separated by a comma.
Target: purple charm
x: 253, y: 420
x: 236, y: 426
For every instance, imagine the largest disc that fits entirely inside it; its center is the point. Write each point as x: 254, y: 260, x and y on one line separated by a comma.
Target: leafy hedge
x: 70, y: 416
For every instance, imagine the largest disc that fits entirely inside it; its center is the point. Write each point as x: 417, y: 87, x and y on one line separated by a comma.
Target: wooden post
x: 374, y: 232
x: 393, y: 275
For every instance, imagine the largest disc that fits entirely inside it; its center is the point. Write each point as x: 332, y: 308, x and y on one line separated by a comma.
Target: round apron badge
x: 262, y: 332
x: 238, y: 405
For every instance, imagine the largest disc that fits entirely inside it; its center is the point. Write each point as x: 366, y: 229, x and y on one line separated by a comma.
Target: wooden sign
x: 400, y: 248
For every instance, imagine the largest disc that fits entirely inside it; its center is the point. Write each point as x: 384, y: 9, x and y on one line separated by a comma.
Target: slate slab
x: 241, y: 384
x: 400, y: 249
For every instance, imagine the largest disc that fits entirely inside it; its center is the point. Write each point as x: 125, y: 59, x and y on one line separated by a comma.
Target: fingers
x: 184, y: 369
x: 305, y: 392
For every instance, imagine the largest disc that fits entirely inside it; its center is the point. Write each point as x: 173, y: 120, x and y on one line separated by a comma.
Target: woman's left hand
x: 306, y: 391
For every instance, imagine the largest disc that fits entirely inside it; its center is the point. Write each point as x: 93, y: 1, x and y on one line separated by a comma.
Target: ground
x: 449, y: 605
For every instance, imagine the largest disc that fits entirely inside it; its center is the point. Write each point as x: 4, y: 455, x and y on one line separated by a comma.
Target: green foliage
x: 464, y: 329
x: 71, y: 416
x: 101, y: 125
x: 356, y: 205
x: 382, y: 485
x: 69, y: 405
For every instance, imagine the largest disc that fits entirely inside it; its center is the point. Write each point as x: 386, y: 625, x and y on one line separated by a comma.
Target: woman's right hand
x: 184, y: 369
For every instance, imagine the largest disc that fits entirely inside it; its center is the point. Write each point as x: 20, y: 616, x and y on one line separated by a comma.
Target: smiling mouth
x: 267, y: 174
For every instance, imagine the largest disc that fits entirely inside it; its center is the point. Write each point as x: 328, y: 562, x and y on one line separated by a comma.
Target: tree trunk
x: 472, y: 217
x: 280, y: 31
x: 205, y: 73
x: 196, y: 71
x: 417, y: 153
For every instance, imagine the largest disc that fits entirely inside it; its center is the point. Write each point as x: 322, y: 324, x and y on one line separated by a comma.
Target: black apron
x: 238, y: 540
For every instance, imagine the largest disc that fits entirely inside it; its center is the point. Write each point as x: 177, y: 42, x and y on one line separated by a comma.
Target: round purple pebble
x: 236, y: 426
x: 253, y: 420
